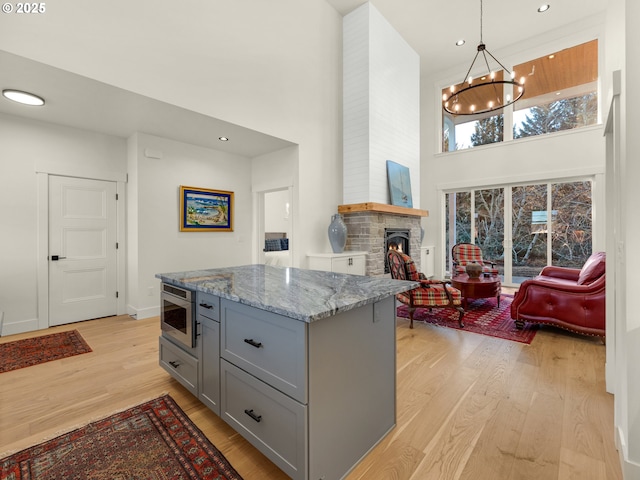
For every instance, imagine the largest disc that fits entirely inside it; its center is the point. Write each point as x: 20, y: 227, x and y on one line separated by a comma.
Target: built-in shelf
x: 382, y: 208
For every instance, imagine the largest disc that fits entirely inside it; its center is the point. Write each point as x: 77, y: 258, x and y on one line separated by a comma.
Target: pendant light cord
x: 481, y: 22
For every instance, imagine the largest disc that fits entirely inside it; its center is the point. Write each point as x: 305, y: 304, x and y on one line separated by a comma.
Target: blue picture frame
x: 205, y: 210
x: 399, y: 184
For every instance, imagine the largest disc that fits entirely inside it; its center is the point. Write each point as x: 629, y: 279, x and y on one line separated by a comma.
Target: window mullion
x: 549, y: 226
x: 507, y: 119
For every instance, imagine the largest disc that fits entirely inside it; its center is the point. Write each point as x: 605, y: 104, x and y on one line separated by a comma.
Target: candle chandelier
x: 486, y: 93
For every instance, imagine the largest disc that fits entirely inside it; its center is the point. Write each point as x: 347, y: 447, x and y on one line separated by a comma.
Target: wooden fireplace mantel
x: 382, y: 208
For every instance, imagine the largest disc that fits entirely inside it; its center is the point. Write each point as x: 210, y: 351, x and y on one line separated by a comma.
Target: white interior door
x: 82, y: 249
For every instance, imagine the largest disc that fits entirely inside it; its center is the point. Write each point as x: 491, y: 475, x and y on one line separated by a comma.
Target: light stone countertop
x: 305, y: 295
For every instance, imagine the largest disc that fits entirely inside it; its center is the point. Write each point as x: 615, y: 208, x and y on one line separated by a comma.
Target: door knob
x: 55, y: 258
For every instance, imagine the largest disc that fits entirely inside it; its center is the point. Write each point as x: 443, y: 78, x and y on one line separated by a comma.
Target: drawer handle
x: 252, y: 342
x: 257, y: 418
x: 207, y: 306
x: 174, y: 364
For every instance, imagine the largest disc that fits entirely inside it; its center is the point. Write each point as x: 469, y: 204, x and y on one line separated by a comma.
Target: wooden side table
x: 481, y: 287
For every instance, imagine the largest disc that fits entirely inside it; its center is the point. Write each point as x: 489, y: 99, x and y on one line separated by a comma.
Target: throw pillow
x: 272, y: 245
x: 593, y: 268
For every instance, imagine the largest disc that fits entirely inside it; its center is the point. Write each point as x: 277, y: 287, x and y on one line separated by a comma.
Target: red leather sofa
x: 569, y: 298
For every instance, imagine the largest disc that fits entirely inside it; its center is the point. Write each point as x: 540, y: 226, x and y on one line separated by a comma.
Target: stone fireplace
x: 366, y: 226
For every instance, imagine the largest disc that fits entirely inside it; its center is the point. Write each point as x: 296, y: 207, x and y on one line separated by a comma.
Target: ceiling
x: 431, y: 31
x: 80, y: 102
x: 432, y: 28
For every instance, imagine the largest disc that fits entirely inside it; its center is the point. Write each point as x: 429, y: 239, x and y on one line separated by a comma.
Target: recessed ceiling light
x: 25, y: 98
x: 544, y: 8
x: 460, y: 42
x: 223, y: 139
x: 551, y: 57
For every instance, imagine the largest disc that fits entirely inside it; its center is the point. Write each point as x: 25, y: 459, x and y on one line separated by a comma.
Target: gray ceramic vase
x: 337, y: 233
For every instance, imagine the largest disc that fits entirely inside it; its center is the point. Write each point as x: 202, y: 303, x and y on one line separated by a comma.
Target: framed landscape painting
x: 399, y: 184
x: 205, y: 210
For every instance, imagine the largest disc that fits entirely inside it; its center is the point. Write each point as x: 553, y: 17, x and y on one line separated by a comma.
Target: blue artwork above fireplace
x: 399, y: 184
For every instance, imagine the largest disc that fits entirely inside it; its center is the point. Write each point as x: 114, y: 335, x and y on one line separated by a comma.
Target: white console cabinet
x: 353, y: 263
x: 427, y: 261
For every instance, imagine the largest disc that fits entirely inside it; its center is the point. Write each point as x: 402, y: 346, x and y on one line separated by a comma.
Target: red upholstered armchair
x: 570, y: 298
x: 465, y: 253
x: 430, y: 293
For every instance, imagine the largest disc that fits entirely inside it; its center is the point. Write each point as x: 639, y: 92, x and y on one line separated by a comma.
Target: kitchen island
x: 299, y: 362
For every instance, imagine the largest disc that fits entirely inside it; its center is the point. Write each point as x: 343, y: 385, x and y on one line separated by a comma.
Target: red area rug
x: 35, y: 350
x: 152, y: 441
x: 481, y: 316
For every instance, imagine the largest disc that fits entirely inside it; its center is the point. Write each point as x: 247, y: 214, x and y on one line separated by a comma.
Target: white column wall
x: 381, y: 107
x: 623, y: 54
x: 628, y: 393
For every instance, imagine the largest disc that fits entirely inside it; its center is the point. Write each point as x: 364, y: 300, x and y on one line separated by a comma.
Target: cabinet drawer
x: 208, y: 305
x: 182, y: 366
x: 272, y: 422
x: 272, y: 347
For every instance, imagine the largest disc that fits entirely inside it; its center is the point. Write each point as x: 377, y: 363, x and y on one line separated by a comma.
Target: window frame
x: 507, y: 188
x: 526, y: 55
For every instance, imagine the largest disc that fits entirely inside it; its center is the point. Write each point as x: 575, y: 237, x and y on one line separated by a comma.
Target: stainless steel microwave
x: 177, y: 315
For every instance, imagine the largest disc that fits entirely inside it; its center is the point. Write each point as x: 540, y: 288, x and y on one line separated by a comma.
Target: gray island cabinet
x: 301, y: 363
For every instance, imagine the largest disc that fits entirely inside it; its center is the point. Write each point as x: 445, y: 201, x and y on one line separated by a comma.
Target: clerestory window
x: 561, y: 93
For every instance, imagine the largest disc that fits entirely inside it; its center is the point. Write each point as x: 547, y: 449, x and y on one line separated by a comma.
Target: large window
x: 560, y: 94
x: 551, y: 224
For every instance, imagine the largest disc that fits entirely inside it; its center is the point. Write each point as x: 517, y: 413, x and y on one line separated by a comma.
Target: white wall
x: 381, y: 107
x: 277, y: 216
x: 276, y: 171
x: 566, y: 155
x: 274, y: 67
x: 631, y: 139
x: 562, y: 155
x: 27, y: 147
x: 623, y: 54
x: 160, y: 246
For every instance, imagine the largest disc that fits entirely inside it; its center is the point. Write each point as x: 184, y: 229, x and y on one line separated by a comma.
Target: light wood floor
x: 469, y: 406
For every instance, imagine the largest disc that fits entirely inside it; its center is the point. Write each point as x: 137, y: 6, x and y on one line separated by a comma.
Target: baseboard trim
x: 21, y: 326
x: 630, y: 470
x: 141, y: 313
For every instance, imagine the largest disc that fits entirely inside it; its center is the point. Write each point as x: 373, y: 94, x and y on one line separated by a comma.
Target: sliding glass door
x: 529, y: 231
x: 489, y: 223
x: 551, y: 224
x: 477, y: 217
x: 573, y: 224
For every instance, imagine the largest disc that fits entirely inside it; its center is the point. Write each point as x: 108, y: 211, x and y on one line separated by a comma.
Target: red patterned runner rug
x: 154, y: 440
x: 481, y: 316
x: 45, y: 348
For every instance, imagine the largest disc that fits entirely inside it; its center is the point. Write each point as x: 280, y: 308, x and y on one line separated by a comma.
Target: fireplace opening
x: 395, y: 239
